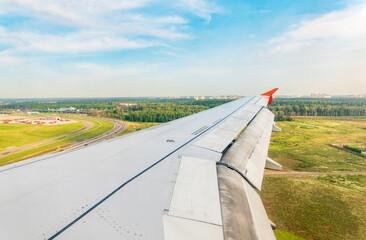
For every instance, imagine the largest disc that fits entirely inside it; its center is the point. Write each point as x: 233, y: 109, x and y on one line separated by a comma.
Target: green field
x: 303, y: 145
x: 136, y: 126
x: 16, y: 135
x: 324, y: 206
x: 99, y: 127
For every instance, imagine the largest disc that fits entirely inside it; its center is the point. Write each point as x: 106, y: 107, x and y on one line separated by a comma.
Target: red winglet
x: 269, y: 94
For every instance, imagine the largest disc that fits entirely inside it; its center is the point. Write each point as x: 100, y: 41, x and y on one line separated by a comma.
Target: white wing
x: 192, y: 178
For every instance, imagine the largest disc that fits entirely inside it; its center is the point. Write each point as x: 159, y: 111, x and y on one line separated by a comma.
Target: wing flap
x: 217, y: 140
x: 248, y: 154
x: 243, y: 213
x: 248, y: 113
x: 176, y: 228
x: 220, y: 138
x: 195, y: 194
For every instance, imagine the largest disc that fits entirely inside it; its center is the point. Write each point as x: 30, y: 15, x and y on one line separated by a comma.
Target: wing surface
x: 191, y: 178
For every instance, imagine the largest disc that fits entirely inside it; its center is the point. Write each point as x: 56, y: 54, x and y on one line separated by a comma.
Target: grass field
x: 16, y: 135
x: 322, y: 207
x: 303, y: 144
x: 317, y: 207
x: 136, y: 126
x: 99, y: 127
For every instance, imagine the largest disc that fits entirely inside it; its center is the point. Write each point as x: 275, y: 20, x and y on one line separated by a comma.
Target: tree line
x: 163, y: 110
x: 157, y: 112
x: 285, y: 109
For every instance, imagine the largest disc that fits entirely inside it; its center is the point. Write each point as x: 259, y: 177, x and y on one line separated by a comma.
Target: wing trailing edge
x: 240, y: 173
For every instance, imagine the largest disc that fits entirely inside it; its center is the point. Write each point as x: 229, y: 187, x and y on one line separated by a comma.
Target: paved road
x: 119, y: 126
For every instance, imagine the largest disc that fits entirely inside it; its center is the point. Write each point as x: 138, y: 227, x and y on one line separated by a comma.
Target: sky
x: 129, y: 48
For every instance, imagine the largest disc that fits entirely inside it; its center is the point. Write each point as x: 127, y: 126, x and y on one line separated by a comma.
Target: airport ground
x: 321, y: 192
x: 22, y: 141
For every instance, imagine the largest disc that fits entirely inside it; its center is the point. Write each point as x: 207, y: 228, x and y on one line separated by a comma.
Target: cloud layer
x: 346, y: 25
x: 182, y: 47
x: 100, y: 25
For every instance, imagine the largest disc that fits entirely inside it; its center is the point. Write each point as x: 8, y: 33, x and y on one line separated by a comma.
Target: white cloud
x: 98, y: 25
x: 260, y: 11
x: 9, y: 60
x: 70, y: 43
x: 346, y: 25
x: 7, y: 57
x: 289, y: 47
x: 83, y: 42
x: 201, y: 8
x: 71, y: 10
x: 91, y: 13
x: 171, y: 20
x: 87, y: 71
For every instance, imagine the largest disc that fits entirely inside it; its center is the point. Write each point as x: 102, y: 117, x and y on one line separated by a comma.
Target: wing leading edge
x: 201, y: 186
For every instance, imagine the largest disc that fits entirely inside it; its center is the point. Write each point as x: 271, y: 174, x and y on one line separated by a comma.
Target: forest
x: 286, y: 108
x: 163, y: 110
x: 158, y: 111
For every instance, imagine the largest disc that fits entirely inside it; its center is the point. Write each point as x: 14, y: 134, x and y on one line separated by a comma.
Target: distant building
x: 128, y: 104
x: 359, y: 96
x: 320, y: 95
x: 220, y: 97
x: 29, y: 113
x: 51, y: 118
x: 199, y: 98
x: 233, y: 97
x: 69, y: 109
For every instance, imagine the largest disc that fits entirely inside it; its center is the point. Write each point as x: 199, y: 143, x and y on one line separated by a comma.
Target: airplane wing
x: 192, y: 178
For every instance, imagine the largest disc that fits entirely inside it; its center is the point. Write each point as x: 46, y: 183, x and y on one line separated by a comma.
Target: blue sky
x: 117, y: 48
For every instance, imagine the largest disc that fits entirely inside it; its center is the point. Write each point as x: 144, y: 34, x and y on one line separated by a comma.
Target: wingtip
x: 270, y: 94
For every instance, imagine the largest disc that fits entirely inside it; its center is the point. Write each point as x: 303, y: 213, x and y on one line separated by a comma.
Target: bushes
x: 353, y: 148
x: 280, y: 116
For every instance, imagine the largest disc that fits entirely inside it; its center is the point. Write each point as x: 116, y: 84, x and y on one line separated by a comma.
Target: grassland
x: 324, y: 206
x: 136, y: 126
x: 16, y: 135
x: 99, y: 127
x: 304, y: 144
